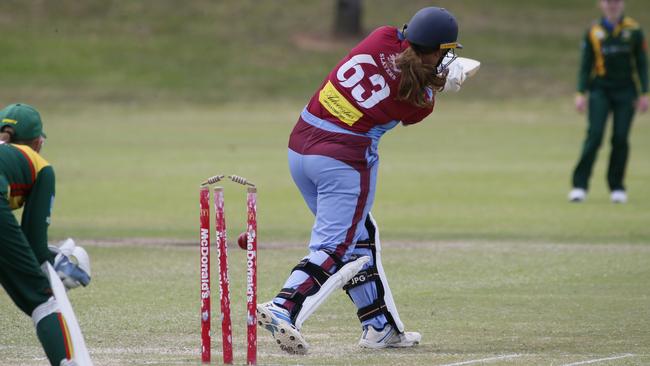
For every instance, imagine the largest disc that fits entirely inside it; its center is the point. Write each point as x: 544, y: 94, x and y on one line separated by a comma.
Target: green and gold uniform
x: 614, y: 72
x: 27, y: 181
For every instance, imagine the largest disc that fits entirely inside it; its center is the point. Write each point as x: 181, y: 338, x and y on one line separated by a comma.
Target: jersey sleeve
x: 37, y: 211
x: 586, y: 63
x: 641, y: 59
x: 417, y: 116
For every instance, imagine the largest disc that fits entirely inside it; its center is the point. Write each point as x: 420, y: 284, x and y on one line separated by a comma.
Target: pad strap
x: 376, y: 308
x: 362, y: 277
x: 318, y: 273
x: 335, y: 258
x: 365, y: 244
x: 291, y: 294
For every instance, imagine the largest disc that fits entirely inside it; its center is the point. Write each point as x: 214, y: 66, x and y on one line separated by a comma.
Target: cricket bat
x: 470, y: 66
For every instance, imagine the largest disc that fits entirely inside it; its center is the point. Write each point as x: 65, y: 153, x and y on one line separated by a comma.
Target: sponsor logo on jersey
x: 616, y: 49
x: 388, y: 62
x: 337, y: 105
x: 626, y: 34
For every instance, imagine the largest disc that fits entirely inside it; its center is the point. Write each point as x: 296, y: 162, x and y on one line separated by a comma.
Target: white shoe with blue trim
x: 277, y: 320
x: 388, y: 337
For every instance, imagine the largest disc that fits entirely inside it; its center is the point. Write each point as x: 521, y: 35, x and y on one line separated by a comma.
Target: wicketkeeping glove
x: 72, y: 264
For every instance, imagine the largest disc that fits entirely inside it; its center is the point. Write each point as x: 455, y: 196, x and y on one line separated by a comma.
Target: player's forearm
x: 586, y: 65
x: 641, y: 60
x: 642, y: 69
x: 584, y: 74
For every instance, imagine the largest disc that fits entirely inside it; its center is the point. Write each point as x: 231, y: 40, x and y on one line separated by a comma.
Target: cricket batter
x: 614, y: 74
x: 392, y: 76
x: 27, y: 180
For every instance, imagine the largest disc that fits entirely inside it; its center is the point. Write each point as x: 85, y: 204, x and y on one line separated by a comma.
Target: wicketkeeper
x: 27, y: 180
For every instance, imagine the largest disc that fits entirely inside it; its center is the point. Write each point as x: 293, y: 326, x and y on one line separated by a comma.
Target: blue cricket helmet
x: 433, y: 28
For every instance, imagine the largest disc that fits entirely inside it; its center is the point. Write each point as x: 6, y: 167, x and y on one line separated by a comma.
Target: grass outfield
x: 529, y: 303
x: 486, y: 257
x: 473, y: 170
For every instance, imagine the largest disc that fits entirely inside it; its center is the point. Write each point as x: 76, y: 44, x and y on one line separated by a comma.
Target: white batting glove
x: 455, y: 78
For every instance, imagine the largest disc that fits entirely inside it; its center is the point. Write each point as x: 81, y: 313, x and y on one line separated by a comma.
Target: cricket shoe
x: 618, y: 196
x: 278, y: 321
x: 387, y: 337
x: 577, y: 195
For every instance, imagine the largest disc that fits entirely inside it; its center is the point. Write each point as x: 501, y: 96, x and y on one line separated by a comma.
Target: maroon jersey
x: 361, y: 91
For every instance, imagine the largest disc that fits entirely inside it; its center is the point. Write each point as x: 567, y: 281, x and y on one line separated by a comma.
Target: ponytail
x: 416, y: 77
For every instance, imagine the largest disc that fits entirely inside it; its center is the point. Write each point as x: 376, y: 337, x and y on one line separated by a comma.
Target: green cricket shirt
x: 614, y: 59
x: 27, y: 180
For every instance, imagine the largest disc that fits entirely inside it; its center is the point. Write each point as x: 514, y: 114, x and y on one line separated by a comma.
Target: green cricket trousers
x: 20, y: 272
x: 22, y: 278
x: 620, y: 101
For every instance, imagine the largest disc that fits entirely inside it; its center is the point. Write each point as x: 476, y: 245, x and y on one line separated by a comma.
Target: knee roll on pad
x: 45, y: 309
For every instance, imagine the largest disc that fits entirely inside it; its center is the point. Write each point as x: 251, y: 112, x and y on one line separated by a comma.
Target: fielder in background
x: 392, y: 76
x: 27, y: 180
x: 614, y: 74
